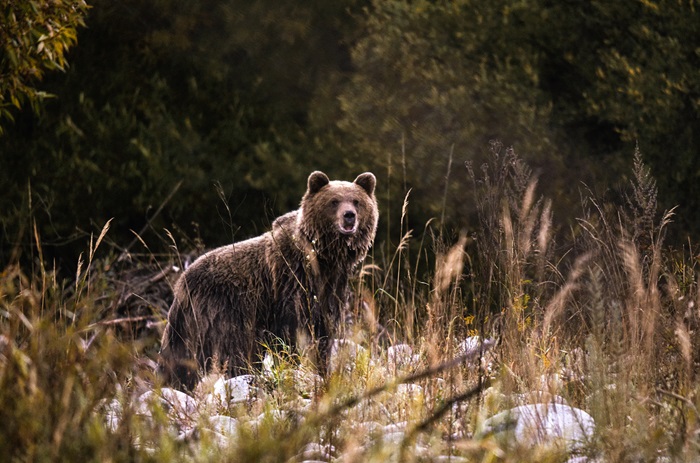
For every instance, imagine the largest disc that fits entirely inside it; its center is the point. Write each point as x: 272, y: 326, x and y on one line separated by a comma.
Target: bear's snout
x: 348, y: 224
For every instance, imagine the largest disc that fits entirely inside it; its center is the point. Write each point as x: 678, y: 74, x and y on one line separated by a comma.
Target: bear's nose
x: 349, y: 217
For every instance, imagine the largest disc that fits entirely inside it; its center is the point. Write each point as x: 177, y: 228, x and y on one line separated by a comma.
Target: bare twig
x: 428, y: 372
x: 125, y: 251
x: 440, y: 412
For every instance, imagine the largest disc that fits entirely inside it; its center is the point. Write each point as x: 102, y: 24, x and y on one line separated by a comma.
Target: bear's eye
x: 335, y: 202
x: 356, y: 203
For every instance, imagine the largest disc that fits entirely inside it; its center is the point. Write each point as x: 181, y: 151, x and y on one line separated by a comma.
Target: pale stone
x: 543, y: 424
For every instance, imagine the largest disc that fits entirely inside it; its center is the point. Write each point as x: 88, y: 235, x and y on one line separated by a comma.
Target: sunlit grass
x: 606, y: 324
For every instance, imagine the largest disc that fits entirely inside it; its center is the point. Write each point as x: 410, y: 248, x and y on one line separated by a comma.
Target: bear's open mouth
x: 348, y: 229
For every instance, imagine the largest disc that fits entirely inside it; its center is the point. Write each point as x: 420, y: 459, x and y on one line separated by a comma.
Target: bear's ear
x: 317, y: 180
x: 367, y: 181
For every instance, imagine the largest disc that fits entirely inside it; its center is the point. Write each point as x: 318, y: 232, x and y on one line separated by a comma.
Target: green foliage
x: 625, y: 73
x: 572, y: 85
x: 435, y: 78
x: 197, y: 98
x: 36, y: 36
x: 237, y: 101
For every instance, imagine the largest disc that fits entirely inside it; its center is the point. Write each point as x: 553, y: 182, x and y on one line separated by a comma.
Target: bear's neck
x: 334, y: 251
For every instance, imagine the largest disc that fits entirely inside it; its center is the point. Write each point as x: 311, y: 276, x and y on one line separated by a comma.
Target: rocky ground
x: 392, y: 405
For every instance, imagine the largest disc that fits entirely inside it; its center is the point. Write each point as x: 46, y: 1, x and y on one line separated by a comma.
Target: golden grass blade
x: 104, y: 231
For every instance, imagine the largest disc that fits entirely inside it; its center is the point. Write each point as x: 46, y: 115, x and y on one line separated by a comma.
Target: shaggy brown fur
x: 292, y: 279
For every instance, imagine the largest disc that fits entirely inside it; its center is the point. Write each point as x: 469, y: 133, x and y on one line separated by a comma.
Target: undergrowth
x: 604, y: 318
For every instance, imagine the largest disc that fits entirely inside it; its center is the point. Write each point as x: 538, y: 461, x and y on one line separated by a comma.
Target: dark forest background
x: 205, y: 118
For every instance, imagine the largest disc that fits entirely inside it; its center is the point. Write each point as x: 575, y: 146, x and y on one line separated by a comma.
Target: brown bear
x: 291, y: 279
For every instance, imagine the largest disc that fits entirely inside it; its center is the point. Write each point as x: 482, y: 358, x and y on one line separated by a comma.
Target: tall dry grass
x: 602, y: 314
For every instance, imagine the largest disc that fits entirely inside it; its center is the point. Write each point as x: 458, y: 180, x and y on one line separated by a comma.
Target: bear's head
x: 337, y: 214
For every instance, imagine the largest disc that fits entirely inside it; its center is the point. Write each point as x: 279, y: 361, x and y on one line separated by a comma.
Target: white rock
x: 393, y: 437
x: 395, y: 427
x: 179, y: 400
x: 176, y: 404
x: 316, y: 451
x: 543, y: 424
x: 269, y: 416
x: 219, y: 439
x: 473, y: 344
x: 224, y: 425
x: 113, y: 414
x: 233, y: 390
x: 399, y: 356
x: 307, y: 383
x: 344, y: 354
x: 449, y: 459
x: 268, y: 366
x: 583, y: 459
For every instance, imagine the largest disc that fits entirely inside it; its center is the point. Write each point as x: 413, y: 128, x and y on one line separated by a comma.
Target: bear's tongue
x: 348, y: 228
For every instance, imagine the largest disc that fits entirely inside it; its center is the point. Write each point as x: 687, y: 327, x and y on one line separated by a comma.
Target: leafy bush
x: 36, y: 37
